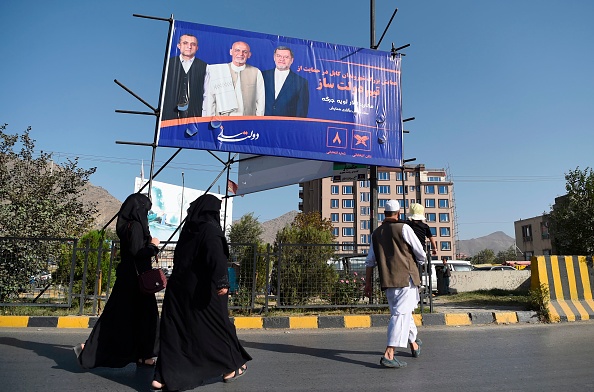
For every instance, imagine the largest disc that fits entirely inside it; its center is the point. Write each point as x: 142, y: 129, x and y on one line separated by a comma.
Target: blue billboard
x: 239, y: 91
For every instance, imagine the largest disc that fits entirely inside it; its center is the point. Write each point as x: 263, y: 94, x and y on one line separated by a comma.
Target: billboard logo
x: 336, y: 137
x: 361, y: 140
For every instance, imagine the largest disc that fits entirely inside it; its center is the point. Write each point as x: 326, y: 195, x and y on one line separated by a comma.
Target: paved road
x: 527, y: 357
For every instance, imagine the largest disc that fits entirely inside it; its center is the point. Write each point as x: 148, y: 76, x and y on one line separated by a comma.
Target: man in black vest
x: 396, y: 250
x: 184, y: 88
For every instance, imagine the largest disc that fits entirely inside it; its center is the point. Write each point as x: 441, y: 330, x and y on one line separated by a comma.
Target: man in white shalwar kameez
x: 397, y: 251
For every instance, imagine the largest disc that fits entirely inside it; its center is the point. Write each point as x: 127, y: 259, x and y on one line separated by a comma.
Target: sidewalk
x: 447, y: 312
x: 444, y: 313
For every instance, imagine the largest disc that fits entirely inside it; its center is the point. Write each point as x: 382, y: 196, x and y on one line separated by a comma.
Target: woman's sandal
x: 149, y: 362
x: 238, y: 373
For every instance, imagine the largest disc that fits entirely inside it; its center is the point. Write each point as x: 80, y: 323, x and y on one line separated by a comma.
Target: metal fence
x: 64, y: 273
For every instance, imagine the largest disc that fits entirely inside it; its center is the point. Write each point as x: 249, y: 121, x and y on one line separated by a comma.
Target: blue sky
x: 502, y: 92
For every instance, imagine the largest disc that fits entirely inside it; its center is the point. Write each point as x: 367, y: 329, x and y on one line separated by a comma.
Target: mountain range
x: 108, y: 207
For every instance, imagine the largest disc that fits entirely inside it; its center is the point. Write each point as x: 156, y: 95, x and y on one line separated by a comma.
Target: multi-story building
x: 347, y: 204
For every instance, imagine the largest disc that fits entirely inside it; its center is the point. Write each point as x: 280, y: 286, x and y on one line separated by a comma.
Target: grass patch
x: 492, y: 297
x: 480, y: 298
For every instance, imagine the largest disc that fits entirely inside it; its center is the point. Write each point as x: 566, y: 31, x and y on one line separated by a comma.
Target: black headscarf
x: 205, y: 209
x: 134, y: 209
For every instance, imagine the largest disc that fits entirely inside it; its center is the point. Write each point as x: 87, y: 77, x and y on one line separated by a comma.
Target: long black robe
x: 197, y: 340
x: 126, y: 331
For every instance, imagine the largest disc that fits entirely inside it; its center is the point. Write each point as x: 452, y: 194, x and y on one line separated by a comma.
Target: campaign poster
x: 170, y: 205
x: 239, y: 91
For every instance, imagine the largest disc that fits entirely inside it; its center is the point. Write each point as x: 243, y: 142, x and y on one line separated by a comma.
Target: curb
x: 300, y: 322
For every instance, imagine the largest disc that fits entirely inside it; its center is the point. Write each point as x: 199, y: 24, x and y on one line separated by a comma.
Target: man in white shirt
x: 287, y: 94
x: 235, y: 88
x: 396, y: 251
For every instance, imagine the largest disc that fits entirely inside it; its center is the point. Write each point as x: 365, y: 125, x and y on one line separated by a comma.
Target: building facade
x: 533, y: 237
x: 347, y: 204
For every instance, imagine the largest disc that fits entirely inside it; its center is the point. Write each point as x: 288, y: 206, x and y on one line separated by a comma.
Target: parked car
x: 456, y: 265
x: 495, y: 268
x: 167, y: 271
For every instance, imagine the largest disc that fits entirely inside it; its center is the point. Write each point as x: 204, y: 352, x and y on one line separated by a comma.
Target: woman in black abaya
x: 197, y: 340
x: 126, y: 331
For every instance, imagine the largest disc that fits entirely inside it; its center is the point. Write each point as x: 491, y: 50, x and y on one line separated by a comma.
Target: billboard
x: 238, y: 91
x: 170, y: 204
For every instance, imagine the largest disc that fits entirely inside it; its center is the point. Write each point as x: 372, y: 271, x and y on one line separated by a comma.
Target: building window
x: 434, y: 179
x: 383, y: 176
x: 347, y: 189
x: 433, y: 231
x: 399, y: 189
x: 383, y: 189
x: 528, y: 255
x: 430, y: 189
x: 366, y: 211
x: 444, y: 203
x: 348, y: 203
x: 444, y: 217
x: 429, y: 203
x: 348, y: 217
x: 381, y: 217
x: 444, y: 231
x: 363, y: 184
x: 364, y: 196
x: 334, y: 203
x: 348, y: 231
x: 334, y: 189
x: 365, y: 238
x: 399, y: 176
x: 442, y: 189
x: 365, y: 225
x: 334, y: 217
x: 335, y: 231
x: 402, y: 216
x: 527, y: 233
x: 348, y: 245
x: 544, y: 230
x: 381, y: 202
x: 546, y: 252
x: 446, y: 245
x: 411, y: 188
x: 431, y: 217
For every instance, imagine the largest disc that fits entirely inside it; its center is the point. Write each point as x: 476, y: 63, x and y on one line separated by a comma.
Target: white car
x: 456, y: 265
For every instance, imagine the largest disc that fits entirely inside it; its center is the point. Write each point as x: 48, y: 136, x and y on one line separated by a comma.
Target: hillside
x: 498, y: 241
x: 107, y: 205
x: 272, y: 226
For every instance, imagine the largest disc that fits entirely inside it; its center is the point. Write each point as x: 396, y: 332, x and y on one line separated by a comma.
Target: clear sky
x: 502, y: 91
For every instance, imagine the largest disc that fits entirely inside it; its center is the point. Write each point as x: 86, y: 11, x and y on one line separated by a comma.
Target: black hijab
x: 134, y: 209
x: 205, y: 209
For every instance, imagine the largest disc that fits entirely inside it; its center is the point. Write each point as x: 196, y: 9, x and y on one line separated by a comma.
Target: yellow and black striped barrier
x: 569, y: 281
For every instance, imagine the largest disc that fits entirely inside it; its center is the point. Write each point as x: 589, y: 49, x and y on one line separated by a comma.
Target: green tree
x: 246, y: 231
x: 305, y: 247
x: 246, y: 248
x: 93, y: 241
x: 485, y: 256
x: 571, y: 220
x: 506, y: 255
x: 38, y: 198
